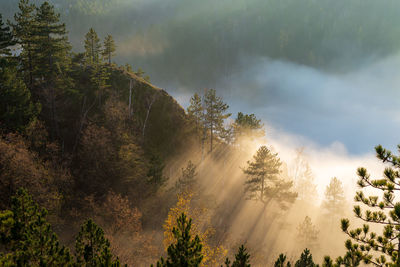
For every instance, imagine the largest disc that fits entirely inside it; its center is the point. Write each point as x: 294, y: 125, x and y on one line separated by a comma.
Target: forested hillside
x: 99, y: 167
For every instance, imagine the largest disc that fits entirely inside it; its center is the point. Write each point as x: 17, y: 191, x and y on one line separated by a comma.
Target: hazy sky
x: 322, y: 70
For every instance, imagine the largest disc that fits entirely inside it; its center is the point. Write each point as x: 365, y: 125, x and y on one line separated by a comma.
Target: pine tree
x: 247, y: 125
x: 140, y: 72
x: 155, y: 176
x: 128, y: 67
x: 92, y: 248
x: 242, y: 258
x: 281, y: 261
x: 28, y: 237
x: 187, y: 251
x: 334, y: 202
x: 99, y: 74
x: 215, y: 114
x: 304, y: 178
x: 352, y: 258
x: 51, y: 65
x: 370, y: 247
x: 196, y: 114
x: 23, y: 28
x: 109, y: 48
x: 17, y: 110
x: 307, y: 233
x: 51, y: 45
x: 187, y: 180
x: 6, y: 39
x: 263, y: 179
x: 305, y: 260
x: 92, y: 48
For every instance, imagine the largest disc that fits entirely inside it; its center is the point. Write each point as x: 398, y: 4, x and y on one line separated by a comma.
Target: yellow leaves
x: 200, y: 226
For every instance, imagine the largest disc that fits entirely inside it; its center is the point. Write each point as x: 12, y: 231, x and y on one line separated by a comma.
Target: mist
x: 312, y: 68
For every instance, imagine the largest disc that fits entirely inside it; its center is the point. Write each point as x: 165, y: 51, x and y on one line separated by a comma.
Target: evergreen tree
x: 155, y: 176
x: 241, y: 258
x: 51, y: 66
x: 128, y: 67
x: 370, y: 247
x: 281, y: 261
x: 307, y: 233
x: 27, y: 236
x: 187, y: 180
x: 187, y: 251
x: 215, y: 114
x: 196, y: 114
x: 16, y: 107
x: 140, y: 72
x: 99, y: 74
x: 305, y: 260
x: 23, y: 28
x: 353, y: 256
x: 92, y: 48
x: 334, y: 202
x: 304, y: 178
x: 92, y: 248
x: 109, y: 48
x: 263, y: 179
x: 247, y: 125
x: 6, y: 39
x: 51, y: 45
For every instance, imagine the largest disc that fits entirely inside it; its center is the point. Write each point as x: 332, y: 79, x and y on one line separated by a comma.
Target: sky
x: 322, y: 71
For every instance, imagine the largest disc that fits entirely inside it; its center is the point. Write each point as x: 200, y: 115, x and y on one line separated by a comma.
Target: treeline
x: 85, y: 137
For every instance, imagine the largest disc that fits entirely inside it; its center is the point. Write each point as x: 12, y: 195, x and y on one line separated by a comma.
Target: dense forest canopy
x: 351, y: 44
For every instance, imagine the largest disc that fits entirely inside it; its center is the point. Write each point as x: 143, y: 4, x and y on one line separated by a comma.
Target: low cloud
x: 326, y: 161
x: 358, y: 108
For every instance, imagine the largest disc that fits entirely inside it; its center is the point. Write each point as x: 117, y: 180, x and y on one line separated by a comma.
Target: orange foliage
x: 200, y: 226
x: 20, y: 167
x: 123, y: 227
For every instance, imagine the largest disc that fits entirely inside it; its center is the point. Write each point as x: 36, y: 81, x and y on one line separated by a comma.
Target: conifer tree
x: 353, y: 256
x: 16, y: 107
x: 28, y: 237
x: 109, y: 48
x: 305, y: 260
x: 24, y: 31
x: 6, y: 39
x: 51, y: 44
x: 307, y: 233
x: 382, y: 212
x: 263, y: 179
x: 155, y: 176
x: 215, y: 114
x: 187, y: 251
x: 304, y: 178
x: 140, y: 72
x: 92, y: 48
x: 247, y: 125
x: 196, y: 114
x: 51, y: 65
x: 187, y: 180
x: 281, y: 261
x: 242, y: 259
x: 128, y: 67
x: 92, y: 248
x: 99, y: 74
x: 334, y: 202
